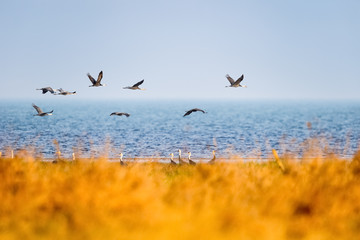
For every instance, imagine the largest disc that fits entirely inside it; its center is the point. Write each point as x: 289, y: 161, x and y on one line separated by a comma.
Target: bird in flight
x: 136, y: 86
x: 46, y: 89
x: 120, y: 114
x: 235, y: 83
x: 97, y: 82
x: 40, y: 112
x: 193, y: 110
x: 64, y: 93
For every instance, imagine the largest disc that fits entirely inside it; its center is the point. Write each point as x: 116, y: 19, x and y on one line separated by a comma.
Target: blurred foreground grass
x: 319, y: 199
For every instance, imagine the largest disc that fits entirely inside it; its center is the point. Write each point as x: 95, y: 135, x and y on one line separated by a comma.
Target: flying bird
x: 46, y: 89
x: 235, y: 83
x: 120, y: 114
x: 40, y: 112
x: 193, y: 110
x: 97, y: 82
x: 64, y: 93
x: 136, y: 86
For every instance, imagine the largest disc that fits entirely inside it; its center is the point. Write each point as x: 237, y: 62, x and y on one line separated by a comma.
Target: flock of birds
x: 180, y: 160
x: 136, y: 86
x: 189, y: 160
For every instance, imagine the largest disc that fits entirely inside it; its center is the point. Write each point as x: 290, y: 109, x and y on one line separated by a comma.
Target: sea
x: 156, y: 128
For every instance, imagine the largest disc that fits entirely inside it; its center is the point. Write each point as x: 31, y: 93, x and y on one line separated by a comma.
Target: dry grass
x: 319, y: 199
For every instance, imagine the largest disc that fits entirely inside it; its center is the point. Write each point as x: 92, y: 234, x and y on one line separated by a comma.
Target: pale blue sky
x: 183, y: 49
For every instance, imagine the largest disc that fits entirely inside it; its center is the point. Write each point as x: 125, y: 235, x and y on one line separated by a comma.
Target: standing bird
x: 40, y: 112
x: 120, y: 114
x: 172, y: 162
x: 97, y: 82
x: 122, y: 163
x: 181, y: 162
x: 191, y: 162
x: 212, y: 161
x: 235, y: 83
x: 46, y: 89
x: 193, y: 110
x: 64, y: 93
x: 136, y: 86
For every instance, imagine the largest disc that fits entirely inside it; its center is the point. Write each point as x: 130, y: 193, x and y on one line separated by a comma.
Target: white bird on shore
x: 172, y: 159
x: 191, y: 162
x: 212, y: 161
x: 181, y: 162
x: 122, y: 163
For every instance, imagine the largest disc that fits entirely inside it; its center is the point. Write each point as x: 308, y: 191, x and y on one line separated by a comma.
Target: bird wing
x: 198, y: 109
x: 50, y: 89
x: 60, y: 90
x: 189, y: 112
x: 99, y: 77
x: 91, y: 79
x: 239, y: 79
x: 37, y: 109
x: 230, y: 79
x: 138, y: 84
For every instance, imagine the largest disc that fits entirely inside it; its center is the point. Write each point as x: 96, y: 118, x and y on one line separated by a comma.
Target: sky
x: 183, y: 49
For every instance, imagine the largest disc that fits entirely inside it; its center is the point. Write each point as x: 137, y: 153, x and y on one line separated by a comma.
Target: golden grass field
x: 97, y: 199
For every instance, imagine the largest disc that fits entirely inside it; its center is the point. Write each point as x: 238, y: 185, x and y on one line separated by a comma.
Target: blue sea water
x: 157, y: 128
